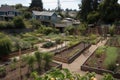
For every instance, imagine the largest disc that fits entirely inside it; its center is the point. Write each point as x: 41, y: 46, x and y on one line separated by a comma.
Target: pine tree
x: 36, y: 5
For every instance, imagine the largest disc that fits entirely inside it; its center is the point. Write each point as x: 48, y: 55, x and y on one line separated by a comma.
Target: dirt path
x: 75, y: 65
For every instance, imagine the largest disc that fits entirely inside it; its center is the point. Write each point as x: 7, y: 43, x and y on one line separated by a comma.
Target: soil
x: 113, y: 42
x: 65, y: 54
x: 96, y: 62
x: 25, y: 73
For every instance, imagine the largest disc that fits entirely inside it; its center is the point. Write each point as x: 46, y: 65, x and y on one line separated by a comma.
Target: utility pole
x: 59, y: 6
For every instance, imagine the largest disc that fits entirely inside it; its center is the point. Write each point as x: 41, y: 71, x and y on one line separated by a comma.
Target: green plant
x: 18, y: 22
x: 2, y: 71
x: 6, y: 25
x: 35, y: 24
x: 99, y: 52
x: 47, y: 57
x: 24, y: 60
x: 47, y: 30
x: 111, y: 57
x: 70, y: 30
x: 38, y: 57
x: 30, y: 62
x: 108, y: 77
x: 48, y: 44
x: 112, y: 30
x: 112, y: 66
x: 13, y: 66
x: 92, y: 36
x: 5, y: 45
x: 58, y: 41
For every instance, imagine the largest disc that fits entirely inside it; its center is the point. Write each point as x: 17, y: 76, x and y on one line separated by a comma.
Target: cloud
x: 52, y: 4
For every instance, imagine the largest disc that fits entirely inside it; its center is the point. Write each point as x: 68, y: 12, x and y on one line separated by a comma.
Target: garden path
x: 51, y: 49
x: 75, y: 65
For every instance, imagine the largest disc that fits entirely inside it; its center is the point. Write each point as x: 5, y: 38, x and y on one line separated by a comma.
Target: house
x: 46, y: 17
x: 65, y: 23
x: 8, y: 12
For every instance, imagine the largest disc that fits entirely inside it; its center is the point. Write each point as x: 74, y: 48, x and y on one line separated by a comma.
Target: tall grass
x: 111, y: 56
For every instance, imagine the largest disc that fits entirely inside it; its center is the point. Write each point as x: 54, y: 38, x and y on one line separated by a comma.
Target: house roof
x: 60, y: 25
x: 7, y: 8
x: 44, y: 13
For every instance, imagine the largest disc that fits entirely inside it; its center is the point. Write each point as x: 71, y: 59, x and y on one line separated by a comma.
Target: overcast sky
x: 52, y: 4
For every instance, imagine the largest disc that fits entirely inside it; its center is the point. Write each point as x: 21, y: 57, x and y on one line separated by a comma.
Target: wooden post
x: 20, y: 63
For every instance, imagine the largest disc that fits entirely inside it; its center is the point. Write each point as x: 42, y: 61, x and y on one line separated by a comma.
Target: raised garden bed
x: 15, y: 75
x: 68, y: 55
x: 113, y: 41
x: 104, y: 60
x: 97, y: 40
x: 16, y: 53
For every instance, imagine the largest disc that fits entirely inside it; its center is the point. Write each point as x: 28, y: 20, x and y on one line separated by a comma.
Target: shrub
x: 47, y: 30
x: 108, y: 77
x: 70, y: 30
x: 58, y: 41
x: 27, y: 15
x: 112, y: 30
x: 48, y: 44
x: 111, y: 66
x: 5, y: 45
x: 6, y: 25
x: 35, y: 23
x: 18, y: 22
x: 99, y: 52
x: 2, y: 71
x: 13, y: 66
x: 93, y: 36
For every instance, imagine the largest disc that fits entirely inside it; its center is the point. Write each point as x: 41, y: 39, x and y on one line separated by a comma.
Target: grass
x: 111, y: 55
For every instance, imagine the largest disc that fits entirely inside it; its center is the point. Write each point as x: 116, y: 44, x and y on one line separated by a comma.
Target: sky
x: 48, y: 4
x: 52, y: 4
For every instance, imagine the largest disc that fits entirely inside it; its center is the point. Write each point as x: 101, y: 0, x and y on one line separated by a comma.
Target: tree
x: 27, y: 15
x: 5, y: 45
x: 47, y: 57
x: 18, y: 6
x: 38, y: 57
x: 18, y: 22
x: 86, y: 8
x: 93, y: 17
x: 109, y: 11
x: 36, y: 5
x: 95, y: 4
